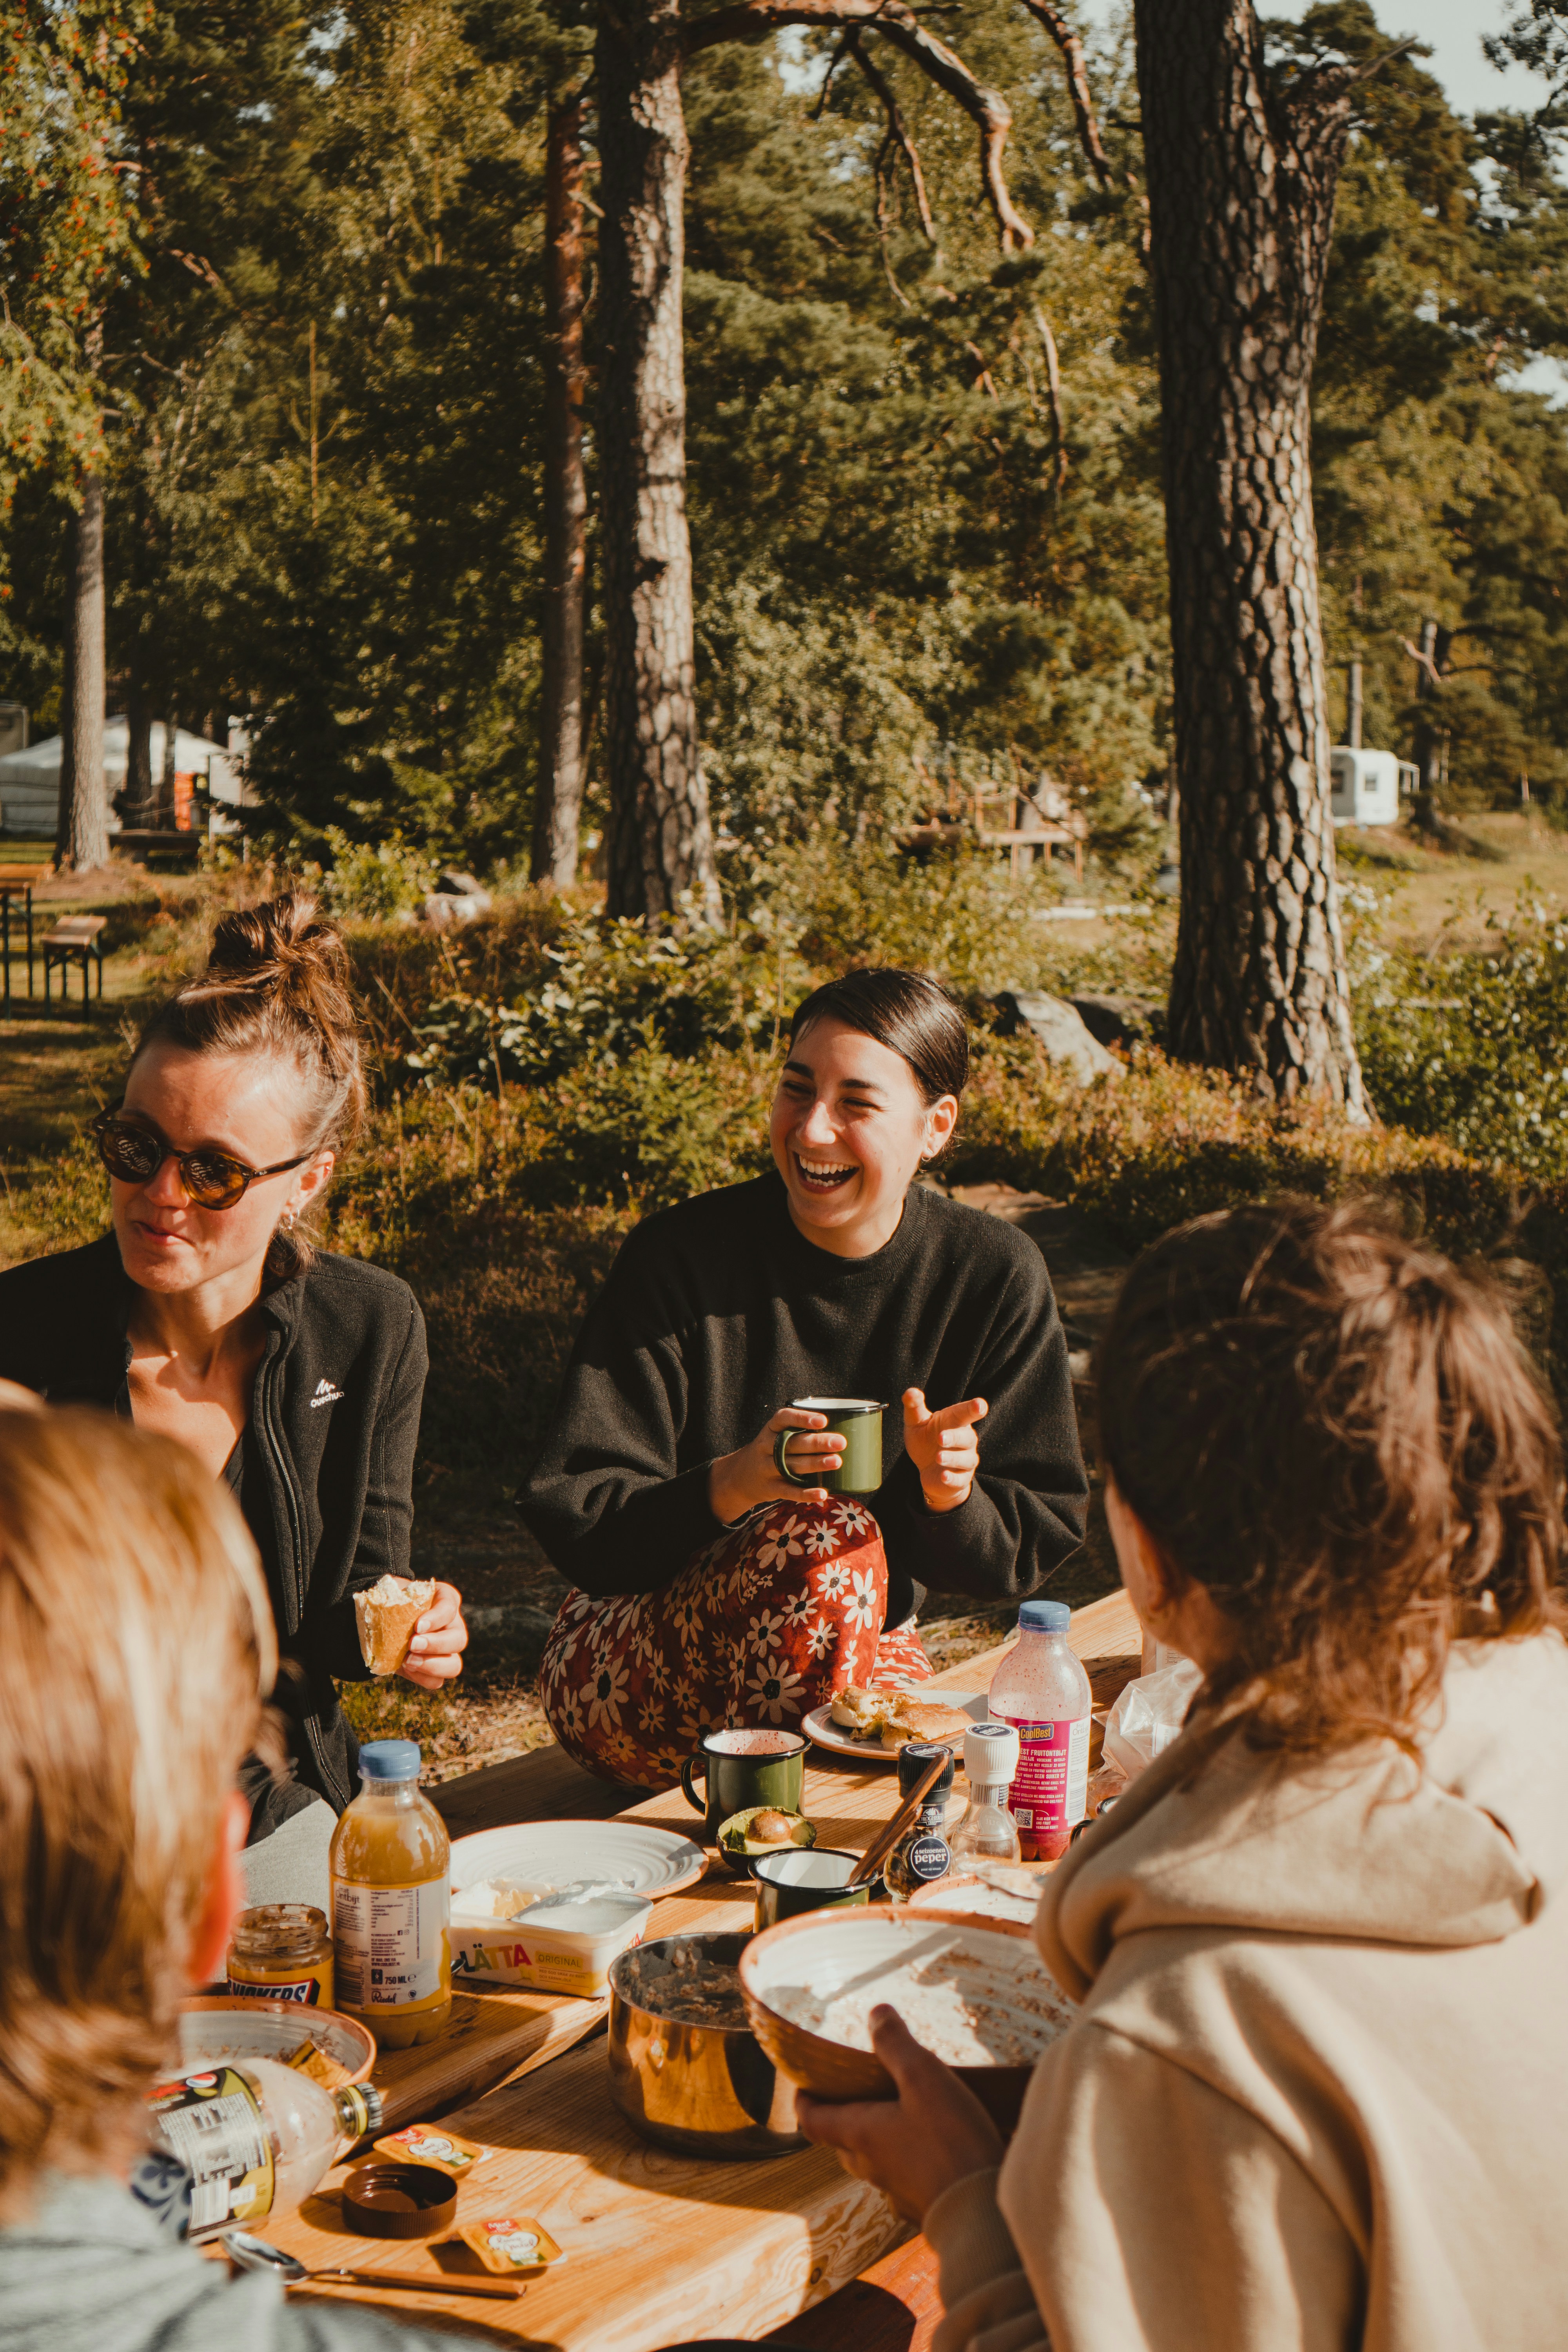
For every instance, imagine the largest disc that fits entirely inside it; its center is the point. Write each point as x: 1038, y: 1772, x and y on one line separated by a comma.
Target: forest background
x: 324, y: 367
x: 315, y: 404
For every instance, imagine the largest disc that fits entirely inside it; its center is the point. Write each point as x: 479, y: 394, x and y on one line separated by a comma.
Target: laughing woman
x: 708, y: 1589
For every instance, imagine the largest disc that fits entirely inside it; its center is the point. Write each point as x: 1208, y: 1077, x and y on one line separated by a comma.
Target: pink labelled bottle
x: 1041, y: 1689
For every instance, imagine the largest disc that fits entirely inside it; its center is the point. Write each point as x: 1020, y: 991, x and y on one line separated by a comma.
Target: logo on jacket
x: 326, y: 1394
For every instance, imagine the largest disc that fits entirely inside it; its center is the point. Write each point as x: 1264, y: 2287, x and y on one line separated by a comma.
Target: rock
x: 1059, y: 1027
x: 444, y: 908
x: 454, y: 883
x: 1120, y: 1019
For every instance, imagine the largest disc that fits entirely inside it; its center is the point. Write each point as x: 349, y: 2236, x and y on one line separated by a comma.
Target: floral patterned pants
x: 762, y: 1626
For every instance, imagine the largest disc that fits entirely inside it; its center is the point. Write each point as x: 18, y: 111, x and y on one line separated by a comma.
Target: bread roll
x: 387, y: 1615
x: 915, y: 1718
x: 863, y: 1711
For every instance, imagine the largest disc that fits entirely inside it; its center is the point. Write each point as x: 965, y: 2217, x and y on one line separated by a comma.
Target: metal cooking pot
x: 702, y: 2090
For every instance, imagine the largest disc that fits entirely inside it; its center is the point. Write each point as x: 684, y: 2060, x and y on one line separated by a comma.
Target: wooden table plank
x: 894, y: 2306
x: 494, y: 2035
x: 660, y: 2248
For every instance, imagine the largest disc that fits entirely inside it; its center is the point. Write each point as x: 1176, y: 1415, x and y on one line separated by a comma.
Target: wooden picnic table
x: 661, y: 2248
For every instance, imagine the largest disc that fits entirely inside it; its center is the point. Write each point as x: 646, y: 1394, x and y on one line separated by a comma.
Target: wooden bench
x: 79, y: 937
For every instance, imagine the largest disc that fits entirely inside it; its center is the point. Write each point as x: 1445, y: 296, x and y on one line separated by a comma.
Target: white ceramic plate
x: 634, y: 1854
x: 819, y: 1724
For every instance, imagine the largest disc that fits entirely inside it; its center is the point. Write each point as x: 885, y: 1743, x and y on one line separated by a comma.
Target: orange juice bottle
x: 391, y: 1901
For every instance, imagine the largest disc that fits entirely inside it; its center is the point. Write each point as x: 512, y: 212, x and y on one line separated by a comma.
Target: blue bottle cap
x: 1044, y: 1617
x: 390, y: 1759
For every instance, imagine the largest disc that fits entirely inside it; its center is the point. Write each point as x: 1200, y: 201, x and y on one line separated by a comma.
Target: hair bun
x: 281, y: 940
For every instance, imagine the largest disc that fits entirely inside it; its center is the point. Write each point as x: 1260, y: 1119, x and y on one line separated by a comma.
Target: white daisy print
x: 833, y: 1582
x: 822, y: 1637
x: 604, y: 1696
x: 865, y: 1608
x: 774, y: 1690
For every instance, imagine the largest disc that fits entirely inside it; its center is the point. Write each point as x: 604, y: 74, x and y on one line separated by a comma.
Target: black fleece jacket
x: 327, y: 1489
x: 718, y: 1311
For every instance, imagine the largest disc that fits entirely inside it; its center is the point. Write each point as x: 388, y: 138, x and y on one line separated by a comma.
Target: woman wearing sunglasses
x: 296, y: 1376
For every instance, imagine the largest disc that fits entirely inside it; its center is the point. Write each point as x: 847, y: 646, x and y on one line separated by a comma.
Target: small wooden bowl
x: 382, y: 2200
x: 845, y: 1943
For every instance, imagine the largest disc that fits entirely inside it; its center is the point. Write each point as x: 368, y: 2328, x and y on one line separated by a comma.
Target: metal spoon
x: 255, y: 2255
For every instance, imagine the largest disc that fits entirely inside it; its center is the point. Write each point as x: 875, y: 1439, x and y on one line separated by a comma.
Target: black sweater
x: 718, y: 1312
x: 327, y: 1489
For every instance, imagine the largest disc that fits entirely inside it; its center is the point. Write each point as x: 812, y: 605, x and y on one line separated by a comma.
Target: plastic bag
x: 1149, y: 1715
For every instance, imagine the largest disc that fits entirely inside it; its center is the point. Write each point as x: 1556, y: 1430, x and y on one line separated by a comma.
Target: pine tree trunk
x: 139, y: 741
x: 558, y: 806
x: 660, y: 842
x: 81, y: 839
x: 1241, y: 193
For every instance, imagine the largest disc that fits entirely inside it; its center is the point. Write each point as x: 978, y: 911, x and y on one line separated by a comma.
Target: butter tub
x: 554, y: 1947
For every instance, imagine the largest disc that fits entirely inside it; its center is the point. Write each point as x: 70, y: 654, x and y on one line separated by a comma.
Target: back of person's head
x: 911, y: 1013
x: 277, y: 986
x: 137, y: 1642
x: 1337, y: 1432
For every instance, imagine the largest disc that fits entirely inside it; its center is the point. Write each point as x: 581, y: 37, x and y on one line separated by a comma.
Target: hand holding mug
x: 738, y: 1482
x: 943, y: 1447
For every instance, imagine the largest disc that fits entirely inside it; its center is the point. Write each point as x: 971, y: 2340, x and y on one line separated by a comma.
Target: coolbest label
x: 213, y: 2124
x: 389, y: 1942
x: 1050, y: 1791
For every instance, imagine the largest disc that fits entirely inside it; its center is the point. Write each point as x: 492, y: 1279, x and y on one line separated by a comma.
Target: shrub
x: 1474, y: 1047
x: 375, y: 882
x: 609, y: 990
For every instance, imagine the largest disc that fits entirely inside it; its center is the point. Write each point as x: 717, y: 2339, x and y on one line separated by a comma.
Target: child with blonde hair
x: 137, y: 1644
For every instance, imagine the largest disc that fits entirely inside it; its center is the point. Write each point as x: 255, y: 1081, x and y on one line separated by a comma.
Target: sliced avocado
x: 739, y: 1846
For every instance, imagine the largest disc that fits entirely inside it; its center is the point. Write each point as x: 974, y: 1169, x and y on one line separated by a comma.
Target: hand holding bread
x: 411, y: 1626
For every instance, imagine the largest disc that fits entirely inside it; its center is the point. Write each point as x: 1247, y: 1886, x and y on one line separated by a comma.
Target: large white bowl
x: 830, y: 1953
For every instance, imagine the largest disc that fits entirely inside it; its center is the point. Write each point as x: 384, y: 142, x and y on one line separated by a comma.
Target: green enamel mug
x: 859, y: 1421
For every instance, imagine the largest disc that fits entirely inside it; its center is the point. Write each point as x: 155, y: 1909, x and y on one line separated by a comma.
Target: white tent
x: 30, y: 780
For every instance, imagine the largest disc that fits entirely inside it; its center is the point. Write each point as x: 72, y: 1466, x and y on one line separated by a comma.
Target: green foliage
x: 374, y: 880
x: 612, y: 989
x: 1474, y: 1048
x: 66, y: 223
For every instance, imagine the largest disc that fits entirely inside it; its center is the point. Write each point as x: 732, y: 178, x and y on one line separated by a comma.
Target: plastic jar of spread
x: 282, y: 1951
x: 390, y: 1903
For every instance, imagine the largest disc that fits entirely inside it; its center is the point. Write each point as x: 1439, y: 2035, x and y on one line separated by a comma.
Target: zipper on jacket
x: 273, y: 1432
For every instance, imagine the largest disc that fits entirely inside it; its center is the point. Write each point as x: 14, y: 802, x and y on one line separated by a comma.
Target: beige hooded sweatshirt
x: 1317, y: 2097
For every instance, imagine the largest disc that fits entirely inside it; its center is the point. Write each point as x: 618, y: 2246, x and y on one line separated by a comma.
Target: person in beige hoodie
x: 1316, y: 2094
